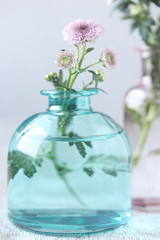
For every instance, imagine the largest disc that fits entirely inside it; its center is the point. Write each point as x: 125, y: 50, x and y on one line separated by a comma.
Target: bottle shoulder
x: 137, y: 96
x: 137, y: 89
x: 83, y: 125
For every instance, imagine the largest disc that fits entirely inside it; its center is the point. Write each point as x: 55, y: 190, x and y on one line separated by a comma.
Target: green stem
x: 73, y: 79
x: 90, y: 83
x: 83, y: 55
x: 69, y: 78
x: 91, y: 65
x: 78, y: 55
x: 152, y: 113
x: 63, y: 178
x: 72, y: 191
x: 79, y: 64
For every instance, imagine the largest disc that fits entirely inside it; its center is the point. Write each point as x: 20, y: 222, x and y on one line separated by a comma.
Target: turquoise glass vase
x: 69, y: 169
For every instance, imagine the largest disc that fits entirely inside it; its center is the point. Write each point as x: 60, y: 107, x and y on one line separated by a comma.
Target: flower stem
x: 78, y: 54
x: 152, y: 113
x: 142, y: 140
x: 90, y: 83
x: 73, y: 79
x: 72, y: 191
x: 69, y: 77
x: 83, y: 55
x: 91, y: 65
x: 62, y: 177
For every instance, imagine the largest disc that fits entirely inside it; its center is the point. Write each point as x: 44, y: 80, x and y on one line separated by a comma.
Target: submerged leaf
x: 80, y: 145
x: 108, y: 164
x: 81, y: 149
x: 18, y: 160
x: 110, y: 172
x: 89, y: 144
x: 38, y: 161
x: 89, y: 171
x: 71, y: 143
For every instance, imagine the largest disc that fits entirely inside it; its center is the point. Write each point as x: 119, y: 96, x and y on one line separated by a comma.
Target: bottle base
x: 146, y: 204
x: 62, y: 222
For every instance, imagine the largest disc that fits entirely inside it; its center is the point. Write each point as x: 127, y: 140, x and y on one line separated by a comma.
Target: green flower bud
x: 51, y: 76
x: 101, y: 75
x: 136, y: 10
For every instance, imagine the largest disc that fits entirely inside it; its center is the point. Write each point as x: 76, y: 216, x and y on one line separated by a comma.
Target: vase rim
x: 79, y: 93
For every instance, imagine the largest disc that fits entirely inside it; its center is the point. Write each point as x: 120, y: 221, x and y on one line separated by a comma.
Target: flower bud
x: 51, y: 76
x: 136, y: 10
x: 101, y: 75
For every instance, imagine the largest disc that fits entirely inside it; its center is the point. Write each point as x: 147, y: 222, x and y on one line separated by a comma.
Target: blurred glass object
x: 142, y: 124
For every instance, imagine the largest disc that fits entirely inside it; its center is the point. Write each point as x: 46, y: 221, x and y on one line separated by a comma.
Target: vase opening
x: 61, y: 101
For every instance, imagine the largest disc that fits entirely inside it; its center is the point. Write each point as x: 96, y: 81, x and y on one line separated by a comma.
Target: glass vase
x: 69, y: 169
x: 142, y: 123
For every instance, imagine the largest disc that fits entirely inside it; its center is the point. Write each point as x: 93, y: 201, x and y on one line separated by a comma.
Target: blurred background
x: 31, y: 35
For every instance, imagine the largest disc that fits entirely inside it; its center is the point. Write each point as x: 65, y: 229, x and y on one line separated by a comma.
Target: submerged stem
x: 152, y: 113
x: 70, y: 189
x: 62, y: 176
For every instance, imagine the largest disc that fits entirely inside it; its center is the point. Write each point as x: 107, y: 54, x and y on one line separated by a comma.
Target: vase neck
x: 67, y: 102
x: 151, y: 67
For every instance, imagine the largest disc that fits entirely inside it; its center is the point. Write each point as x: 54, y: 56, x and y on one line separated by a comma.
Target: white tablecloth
x: 142, y: 226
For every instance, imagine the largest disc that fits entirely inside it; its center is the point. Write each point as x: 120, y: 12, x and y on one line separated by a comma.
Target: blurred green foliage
x: 140, y: 14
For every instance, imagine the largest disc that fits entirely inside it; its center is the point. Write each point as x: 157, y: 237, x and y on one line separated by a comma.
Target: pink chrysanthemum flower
x: 66, y: 59
x: 82, y: 31
x: 108, y: 58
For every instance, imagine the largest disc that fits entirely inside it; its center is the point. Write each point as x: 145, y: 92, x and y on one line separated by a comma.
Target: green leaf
x: 60, y: 80
x: 150, y: 22
x: 71, y: 143
x: 56, y: 84
x: 89, y: 144
x: 95, y: 77
x: 135, y: 115
x: 89, y: 171
x: 134, y: 25
x: 123, y: 5
x: 144, y: 31
x: 81, y: 149
x: 110, y: 172
x: 80, y: 145
x: 157, y: 2
x: 155, y: 152
x: 108, y: 164
x: 62, y: 170
x: 89, y: 50
x: 100, y: 89
x: 18, y: 160
x: 38, y: 161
